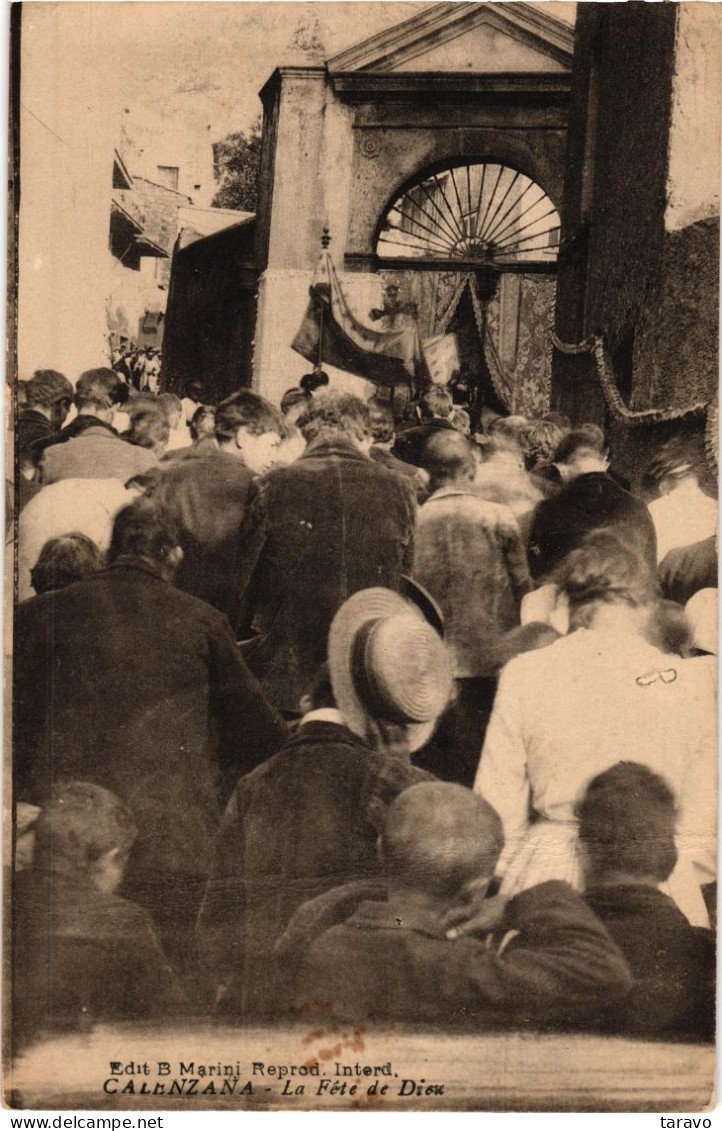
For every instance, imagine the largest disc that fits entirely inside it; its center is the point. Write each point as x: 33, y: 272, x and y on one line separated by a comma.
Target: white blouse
x: 565, y: 713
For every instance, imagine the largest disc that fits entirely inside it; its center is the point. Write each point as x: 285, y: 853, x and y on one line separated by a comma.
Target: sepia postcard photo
x: 361, y: 557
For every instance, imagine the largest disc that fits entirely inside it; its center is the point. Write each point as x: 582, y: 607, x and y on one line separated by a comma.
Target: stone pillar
x: 305, y: 186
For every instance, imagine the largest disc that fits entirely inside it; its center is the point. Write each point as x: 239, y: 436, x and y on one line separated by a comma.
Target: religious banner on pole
x: 331, y: 333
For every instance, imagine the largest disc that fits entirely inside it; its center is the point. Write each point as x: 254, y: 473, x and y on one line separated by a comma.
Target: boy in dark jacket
x: 627, y: 826
x: 542, y: 958
x: 83, y: 954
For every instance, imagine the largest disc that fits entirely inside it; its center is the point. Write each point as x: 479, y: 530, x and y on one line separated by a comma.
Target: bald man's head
x: 448, y: 458
x: 440, y: 836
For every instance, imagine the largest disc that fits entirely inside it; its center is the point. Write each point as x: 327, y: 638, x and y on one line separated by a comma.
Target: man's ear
x: 175, y: 557
x: 306, y: 704
x: 380, y: 856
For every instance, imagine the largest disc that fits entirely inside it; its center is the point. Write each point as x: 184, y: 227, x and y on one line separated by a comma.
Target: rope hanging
x: 629, y: 416
x: 570, y: 349
x: 612, y: 395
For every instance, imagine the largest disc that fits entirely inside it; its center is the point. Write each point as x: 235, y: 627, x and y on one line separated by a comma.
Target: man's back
x: 470, y: 557
x: 206, y: 496
x: 96, y: 453
x: 83, y: 956
x: 547, y: 961
x: 592, y: 501
x: 672, y: 963
x: 318, y: 531
x: 301, y: 823
x: 127, y: 682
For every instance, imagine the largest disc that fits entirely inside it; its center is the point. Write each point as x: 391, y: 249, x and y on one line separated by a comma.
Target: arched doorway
x: 472, y: 247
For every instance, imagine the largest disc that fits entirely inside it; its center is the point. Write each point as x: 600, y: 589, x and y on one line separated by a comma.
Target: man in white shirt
x: 683, y: 513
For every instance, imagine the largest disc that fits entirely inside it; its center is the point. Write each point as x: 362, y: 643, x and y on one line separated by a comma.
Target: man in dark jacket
x: 437, y: 404
x: 127, y: 682
x: 309, y: 818
x: 331, y: 523
x: 589, y: 500
x: 687, y: 569
x: 49, y: 397
x: 383, y: 430
x: 82, y: 954
x: 206, y: 494
x: 542, y: 959
x: 627, y: 827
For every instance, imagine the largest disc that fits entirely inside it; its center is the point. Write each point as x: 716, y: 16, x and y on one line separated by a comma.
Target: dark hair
x: 336, y: 413
x: 143, y: 529
x: 48, y: 388
x: 438, y: 836
x: 313, y: 381
x: 292, y: 398
x: 321, y: 692
x: 141, y: 402
x: 437, y: 401
x: 80, y: 823
x: 587, y: 437
x: 560, y: 419
x: 65, y: 560
x: 540, y: 441
x: 668, y: 628
x: 679, y: 458
x: 511, y: 427
x: 523, y: 638
x: 605, y: 569
x: 248, y: 410
x: 460, y: 420
x: 192, y: 387
x: 148, y: 428
x: 203, y: 422
x: 627, y: 822
x: 447, y: 456
x: 381, y: 417
x: 100, y: 388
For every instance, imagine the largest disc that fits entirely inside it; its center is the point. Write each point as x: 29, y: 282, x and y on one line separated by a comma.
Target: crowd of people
x: 317, y: 711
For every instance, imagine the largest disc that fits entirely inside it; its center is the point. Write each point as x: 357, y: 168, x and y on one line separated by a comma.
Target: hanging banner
x: 441, y: 355
x: 331, y: 333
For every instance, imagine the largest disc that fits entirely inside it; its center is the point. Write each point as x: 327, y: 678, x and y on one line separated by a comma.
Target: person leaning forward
x: 308, y: 818
x: 127, y: 682
x: 328, y: 525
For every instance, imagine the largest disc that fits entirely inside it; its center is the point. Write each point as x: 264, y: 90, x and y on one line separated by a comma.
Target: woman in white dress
x: 600, y: 695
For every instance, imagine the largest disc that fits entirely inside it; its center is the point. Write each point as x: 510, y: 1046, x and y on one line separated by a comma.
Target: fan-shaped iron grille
x: 483, y: 213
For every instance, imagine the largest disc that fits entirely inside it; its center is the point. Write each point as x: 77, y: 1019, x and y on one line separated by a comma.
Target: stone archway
x: 473, y: 247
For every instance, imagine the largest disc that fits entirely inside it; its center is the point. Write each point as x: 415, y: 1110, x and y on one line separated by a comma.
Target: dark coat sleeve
x: 219, y: 929
x: 157, y: 991
x: 552, y: 961
x: 407, y: 564
x: 250, y: 730
x: 514, y: 555
x: 252, y: 542
x: 543, y: 535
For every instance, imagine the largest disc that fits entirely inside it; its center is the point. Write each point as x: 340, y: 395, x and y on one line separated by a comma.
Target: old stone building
x: 638, y: 295
x: 434, y: 153
x: 547, y: 196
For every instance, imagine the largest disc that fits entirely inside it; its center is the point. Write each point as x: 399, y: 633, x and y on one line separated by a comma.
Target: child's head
x: 438, y: 838
x: 627, y: 824
x: 85, y: 829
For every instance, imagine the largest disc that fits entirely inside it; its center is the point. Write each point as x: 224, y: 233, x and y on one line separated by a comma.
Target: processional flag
x: 331, y: 333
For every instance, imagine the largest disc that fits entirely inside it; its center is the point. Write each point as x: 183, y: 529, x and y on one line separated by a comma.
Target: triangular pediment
x: 487, y: 38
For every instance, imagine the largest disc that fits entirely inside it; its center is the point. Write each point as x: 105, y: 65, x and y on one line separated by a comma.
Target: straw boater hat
x: 387, y: 662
